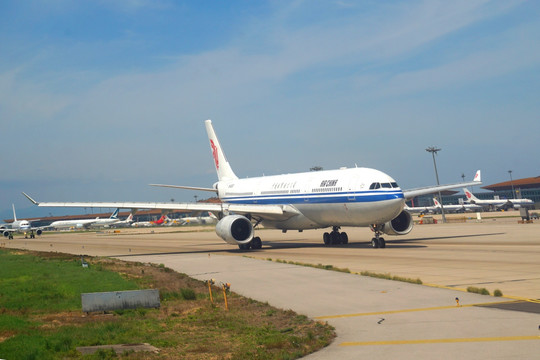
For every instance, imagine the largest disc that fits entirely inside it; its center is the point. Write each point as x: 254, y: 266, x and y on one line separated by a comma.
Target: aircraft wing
x: 273, y: 212
x: 409, y: 194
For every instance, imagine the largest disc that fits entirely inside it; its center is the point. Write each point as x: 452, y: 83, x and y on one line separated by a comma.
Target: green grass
x: 41, y: 318
x: 54, y: 284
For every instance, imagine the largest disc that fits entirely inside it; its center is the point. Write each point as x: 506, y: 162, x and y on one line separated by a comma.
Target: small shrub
x: 497, y: 293
x: 481, y: 291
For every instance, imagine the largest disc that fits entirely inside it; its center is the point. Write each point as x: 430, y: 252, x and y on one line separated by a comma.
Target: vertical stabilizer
x: 223, y: 168
x: 470, y: 195
x: 477, y: 176
x: 114, y: 215
x: 14, y: 215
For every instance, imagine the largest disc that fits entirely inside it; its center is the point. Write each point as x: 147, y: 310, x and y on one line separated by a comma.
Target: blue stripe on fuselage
x: 323, y: 198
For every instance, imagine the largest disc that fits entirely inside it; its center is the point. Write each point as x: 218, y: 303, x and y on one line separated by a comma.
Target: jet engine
x: 400, y: 225
x: 39, y: 232
x: 235, y: 229
x: 5, y: 233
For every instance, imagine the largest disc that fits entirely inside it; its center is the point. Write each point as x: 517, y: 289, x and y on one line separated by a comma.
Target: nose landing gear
x: 377, y: 241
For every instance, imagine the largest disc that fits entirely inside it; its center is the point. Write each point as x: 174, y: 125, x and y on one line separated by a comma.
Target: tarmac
x: 374, y: 318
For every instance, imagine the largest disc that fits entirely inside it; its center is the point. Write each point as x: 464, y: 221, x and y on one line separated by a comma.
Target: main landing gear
x: 254, y: 244
x: 377, y: 241
x: 335, y: 237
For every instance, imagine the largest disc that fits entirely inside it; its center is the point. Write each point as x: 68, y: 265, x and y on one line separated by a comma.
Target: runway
x: 374, y: 318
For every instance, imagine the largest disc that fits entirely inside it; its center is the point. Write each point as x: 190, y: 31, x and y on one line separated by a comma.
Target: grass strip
x: 41, y: 318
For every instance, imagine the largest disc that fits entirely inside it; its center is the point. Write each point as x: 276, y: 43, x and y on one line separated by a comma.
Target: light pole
x: 511, y: 183
x: 433, y: 150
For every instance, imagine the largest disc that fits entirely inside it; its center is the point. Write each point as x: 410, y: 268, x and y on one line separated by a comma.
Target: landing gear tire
x: 244, y: 246
x: 382, y: 243
x: 335, y: 237
x: 256, y: 243
x: 326, y: 239
x: 375, y: 243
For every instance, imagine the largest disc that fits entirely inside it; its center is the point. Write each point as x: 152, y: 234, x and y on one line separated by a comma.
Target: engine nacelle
x: 400, y: 225
x: 5, y: 233
x: 39, y: 232
x: 235, y: 229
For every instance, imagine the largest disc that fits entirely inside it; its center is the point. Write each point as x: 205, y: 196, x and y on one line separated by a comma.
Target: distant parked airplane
x: 456, y: 208
x: 86, y: 223
x: 162, y: 220
x: 497, y: 203
x: 359, y: 197
x: 20, y: 226
x: 199, y: 220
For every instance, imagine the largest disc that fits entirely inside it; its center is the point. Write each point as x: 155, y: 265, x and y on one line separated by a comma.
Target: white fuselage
x: 68, y: 224
x: 345, y: 197
x: 21, y: 225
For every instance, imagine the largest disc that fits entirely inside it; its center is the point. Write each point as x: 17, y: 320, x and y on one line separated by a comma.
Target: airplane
x: 456, y: 208
x: 497, y: 203
x: 113, y: 219
x: 420, y: 209
x: 68, y: 224
x: 87, y: 223
x: 20, y: 226
x: 162, y: 220
x: 199, y: 220
x: 124, y: 223
x: 359, y: 197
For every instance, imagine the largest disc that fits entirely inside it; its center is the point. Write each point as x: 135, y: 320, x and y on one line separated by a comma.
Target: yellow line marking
x: 440, y: 341
x: 408, y: 310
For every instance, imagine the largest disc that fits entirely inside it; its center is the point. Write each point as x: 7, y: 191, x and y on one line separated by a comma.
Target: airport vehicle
x: 20, y: 226
x: 456, y: 208
x: 361, y: 197
x: 494, y: 204
x: 198, y: 220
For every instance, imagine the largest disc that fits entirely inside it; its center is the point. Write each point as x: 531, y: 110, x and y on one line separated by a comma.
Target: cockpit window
x: 395, y: 185
x: 375, y: 186
x: 386, y: 185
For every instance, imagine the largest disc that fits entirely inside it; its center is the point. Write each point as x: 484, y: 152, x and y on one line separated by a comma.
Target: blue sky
x: 100, y: 98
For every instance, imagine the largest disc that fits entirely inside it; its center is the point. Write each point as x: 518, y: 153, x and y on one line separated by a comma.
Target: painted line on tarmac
x: 407, y: 310
x: 440, y: 341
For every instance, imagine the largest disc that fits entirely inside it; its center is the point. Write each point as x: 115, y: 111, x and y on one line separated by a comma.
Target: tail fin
x: 223, y: 168
x: 130, y: 217
x: 477, y: 176
x: 436, y: 202
x: 14, y: 215
x: 114, y: 215
x: 469, y: 195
